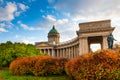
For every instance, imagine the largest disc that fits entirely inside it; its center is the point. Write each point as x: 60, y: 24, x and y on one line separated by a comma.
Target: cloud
x: 52, y: 20
x: 8, y: 11
x: 61, y: 21
x: 31, y: 1
x: 28, y: 40
x: 116, y: 32
x: 47, y: 22
x: 68, y: 31
x: 41, y: 10
x: 25, y: 39
x: 6, y: 24
x: 23, y: 7
x: 88, y: 10
x: 11, y: 10
x: 51, y: 1
x: 26, y: 27
x: 1, y: 1
x: 67, y: 35
x: 17, y: 36
x: 49, y: 18
x: 2, y: 24
x: 3, y: 30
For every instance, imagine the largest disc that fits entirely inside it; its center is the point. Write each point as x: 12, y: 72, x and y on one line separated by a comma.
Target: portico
x: 93, y: 32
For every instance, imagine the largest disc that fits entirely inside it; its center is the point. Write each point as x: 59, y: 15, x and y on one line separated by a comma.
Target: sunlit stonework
x: 89, y: 33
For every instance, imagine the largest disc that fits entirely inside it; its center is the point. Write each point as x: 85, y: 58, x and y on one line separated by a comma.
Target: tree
x: 10, y: 51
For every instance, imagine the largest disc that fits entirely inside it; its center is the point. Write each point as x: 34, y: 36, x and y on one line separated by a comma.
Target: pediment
x: 43, y: 44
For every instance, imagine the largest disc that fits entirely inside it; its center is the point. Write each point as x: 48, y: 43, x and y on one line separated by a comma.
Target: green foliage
x: 10, y: 51
x: 6, y: 75
x: 101, y: 65
x: 38, y: 66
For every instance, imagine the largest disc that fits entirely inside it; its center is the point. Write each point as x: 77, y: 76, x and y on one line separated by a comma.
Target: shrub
x: 23, y: 65
x: 38, y: 66
x: 100, y: 65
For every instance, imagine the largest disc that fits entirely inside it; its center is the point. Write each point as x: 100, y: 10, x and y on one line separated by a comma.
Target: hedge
x: 100, y: 65
x: 38, y: 66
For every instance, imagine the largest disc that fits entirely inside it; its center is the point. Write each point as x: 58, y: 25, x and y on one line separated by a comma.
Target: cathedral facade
x: 88, y: 33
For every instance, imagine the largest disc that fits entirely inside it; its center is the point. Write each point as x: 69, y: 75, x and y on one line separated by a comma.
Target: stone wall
x: 95, y: 25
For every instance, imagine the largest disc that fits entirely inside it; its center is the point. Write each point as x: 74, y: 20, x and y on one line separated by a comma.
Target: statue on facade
x: 110, y: 40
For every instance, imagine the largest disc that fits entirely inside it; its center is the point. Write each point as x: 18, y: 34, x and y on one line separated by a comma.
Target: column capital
x: 104, y: 35
x: 82, y: 37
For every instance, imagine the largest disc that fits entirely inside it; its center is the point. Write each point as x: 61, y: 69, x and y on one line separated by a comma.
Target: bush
x: 38, y: 66
x: 23, y: 65
x: 101, y: 65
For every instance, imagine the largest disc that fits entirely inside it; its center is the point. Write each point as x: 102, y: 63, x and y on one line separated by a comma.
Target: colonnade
x: 75, y: 48
x: 68, y: 51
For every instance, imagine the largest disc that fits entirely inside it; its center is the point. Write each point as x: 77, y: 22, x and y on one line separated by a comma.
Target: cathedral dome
x: 53, y: 30
x: 53, y: 36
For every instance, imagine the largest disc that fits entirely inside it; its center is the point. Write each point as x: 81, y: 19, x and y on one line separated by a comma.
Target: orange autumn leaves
x: 96, y: 66
x: 38, y: 66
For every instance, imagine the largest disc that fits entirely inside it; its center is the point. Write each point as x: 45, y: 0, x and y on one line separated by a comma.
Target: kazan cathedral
x: 88, y: 33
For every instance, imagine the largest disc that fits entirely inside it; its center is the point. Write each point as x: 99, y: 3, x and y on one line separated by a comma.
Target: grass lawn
x: 5, y: 74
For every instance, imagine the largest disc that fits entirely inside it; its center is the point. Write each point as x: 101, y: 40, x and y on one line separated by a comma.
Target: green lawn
x: 5, y: 74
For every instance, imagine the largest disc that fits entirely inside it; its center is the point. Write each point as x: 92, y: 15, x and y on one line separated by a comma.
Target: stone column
x: 60, y: 52
x: 48, y: 51
x: 104, y: 43
x: 57, y: 53
x: 53, y: 52
x: 83, y: 47
x: 69, y: 52
x: 74, y: 52
x: 78, y: 51
x: 63, y: 52
x: 44, y: 51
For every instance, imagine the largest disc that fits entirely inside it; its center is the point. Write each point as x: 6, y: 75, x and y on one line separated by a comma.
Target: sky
x: 29, y: 21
